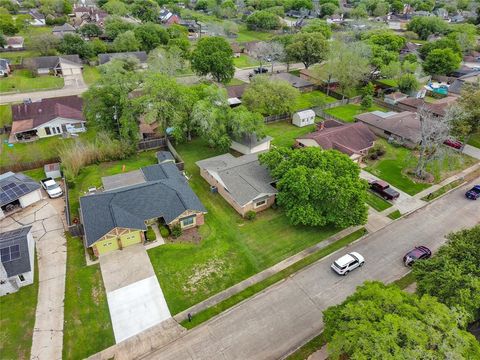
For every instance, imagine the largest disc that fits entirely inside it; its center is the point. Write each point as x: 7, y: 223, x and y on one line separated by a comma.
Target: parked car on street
x: 384, y: 190
x: 260, y: 70
x: 418, y: 253
x: 473, y: 193
x: 453, y: 143
x: 52, y: 188
x: 347, y: 263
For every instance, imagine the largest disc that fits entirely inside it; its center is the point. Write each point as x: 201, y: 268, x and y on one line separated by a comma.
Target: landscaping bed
x: 348, y: 112
x: 23, y: 81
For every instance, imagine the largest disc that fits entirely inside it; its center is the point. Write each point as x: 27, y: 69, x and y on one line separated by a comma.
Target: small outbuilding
x: 52, y: 170
x: 250, y: 144
x: 17, y: 191
x: 304, y: 118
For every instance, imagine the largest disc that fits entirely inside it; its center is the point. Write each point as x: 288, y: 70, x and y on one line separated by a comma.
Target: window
x: 260, y: 203
x: 21, y: 277
x: 54, y: 131
x: 58, y: 130
x: 187, y: 221
x: 47, y: 131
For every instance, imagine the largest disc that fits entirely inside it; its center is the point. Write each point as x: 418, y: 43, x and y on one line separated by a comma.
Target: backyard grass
x: 90, y: 74
x: 395, y: 215
x: 5, y: 115
x: 23, y: 81
x: 475, y: 140
x: 245, y: 61
x: 17, y: 319
x: 245, y: 35
x: 377, y: 202
x: 388, y: 82
x: 87, y: 325
x: 348, y: 112
x: 232, y: 249
x: 284, y: 133
x: 311, y: 99
x: 35, y: 174
x: 16, y: 57
x: 236, y: 81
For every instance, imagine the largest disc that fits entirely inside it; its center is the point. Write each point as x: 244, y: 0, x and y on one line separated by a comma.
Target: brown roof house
x: 438, y: 108
x: 235, y: 93
x: 14, y: 42
x: 403, y: 127
x: 243, y: 182
x: 353, y: 140
x: 55, y: 65
x: 47, y: 117
x: 297, y: 82
x: 61, y: 30
x: 394, y: 97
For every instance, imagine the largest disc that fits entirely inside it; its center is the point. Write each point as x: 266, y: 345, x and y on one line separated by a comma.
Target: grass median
x: 254, y: 289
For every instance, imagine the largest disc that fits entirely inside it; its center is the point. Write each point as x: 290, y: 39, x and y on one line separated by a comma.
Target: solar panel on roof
x: 3, y: 197
x: 12, y: 192
x: 14, y: 252
x: 23, y: 187
x: 10, y: 253
x: 5, y: 254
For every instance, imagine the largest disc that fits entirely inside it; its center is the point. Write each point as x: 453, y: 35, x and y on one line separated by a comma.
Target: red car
x: 453, y: 143
x: 418, y: 253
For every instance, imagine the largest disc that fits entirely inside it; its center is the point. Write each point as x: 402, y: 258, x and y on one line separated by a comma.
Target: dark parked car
x: 453, y: 143
x: 384, y: 190
x: 418, y: 253
x: 473, y: 193
x: 260, y: 70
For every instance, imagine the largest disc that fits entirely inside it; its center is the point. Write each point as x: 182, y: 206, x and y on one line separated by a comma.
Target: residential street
x: 286, y: 315
x: 38, y: 95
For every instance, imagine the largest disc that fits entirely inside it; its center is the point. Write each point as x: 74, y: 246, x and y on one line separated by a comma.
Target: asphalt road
x: 286, y: 315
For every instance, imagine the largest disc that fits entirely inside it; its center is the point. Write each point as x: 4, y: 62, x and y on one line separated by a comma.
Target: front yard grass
x: 284, y: 133
x: 87, y: 324
x: 244, y: 61
x: 245, y: 35
x: 17, y: 319
x: 311, y: 99
x: 24, y: 81
x: 232, y: 249
x: 395, y: 215
x: 377, y: 202
x: 348, y: 112
x: 16, y: 57
x: 5, y: 115
x: 236, y: 81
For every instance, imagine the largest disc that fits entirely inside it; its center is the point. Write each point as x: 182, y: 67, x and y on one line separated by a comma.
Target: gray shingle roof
x: 50, y: 62
x: 165, y: 193
x: 251, y: 140
x: 17, y: 237
x: 295, y: 81
x: 244, y: 177
x: 163, y: 156
x: 105, y: 58
x: 22, y: 185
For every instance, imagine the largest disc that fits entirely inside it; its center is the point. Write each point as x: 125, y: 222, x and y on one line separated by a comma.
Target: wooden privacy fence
x: 22, y: 166
x: 150, y: 144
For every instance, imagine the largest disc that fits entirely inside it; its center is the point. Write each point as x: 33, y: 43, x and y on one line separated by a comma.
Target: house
x: 235, y: 93
x: 403, y: 127
x: 61, y: 30
x: 81, y: 11
x: 192, y: 26
x: 316, y: 78
x: 38, y: 19
x: 472, y: 78
x: 249, y: 47
x: 237, y: 50
x: 297, y: 82
x: 303, y: 118
x: 250, y: 144
x: 141, y: 56
x: 457, y: 19
x: 353, y: 140
x: 14, y: 42
x: 242, y: 181
x: 438, y: 108
x: 17, y: 191
x: 394, y: 97
x: 17, y: 258
x: 335, y: 19
x: 119, y: 216
x: 167, y: 17
x: 47, y: 117
x: 64, y: 65
x: 4, y: 67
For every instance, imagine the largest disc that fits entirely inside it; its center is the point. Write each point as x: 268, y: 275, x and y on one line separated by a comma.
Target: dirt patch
x: 202, y: 275
x: 96, y: 294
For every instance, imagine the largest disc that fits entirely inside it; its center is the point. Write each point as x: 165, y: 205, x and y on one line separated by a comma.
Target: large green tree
x: 126, y: 41
x: 150, y: 36
x: 263, y: 20
x: 441, y: 62
x: 467, y: 122
x: 318, y: 26
x: 114, y: 26
x: 453, y: 274
x: 381, y: 322
x: 73, y: 44
x: 427, y: 25
x: 145, y: 10
x: 214, y: 56
x: 318, y: 187
x: 308, y: 48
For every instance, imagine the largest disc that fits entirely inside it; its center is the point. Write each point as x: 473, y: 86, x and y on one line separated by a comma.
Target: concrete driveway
x: 472, y: 151
x: 286, y: 315
x: 135, y: 299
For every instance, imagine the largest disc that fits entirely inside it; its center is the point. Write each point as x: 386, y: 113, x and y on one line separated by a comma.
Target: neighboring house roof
x: 30, y: 116
x: 14, y: 251
x: 50, y: 62
x: 251, y: 140
x: 14, y: 40
x: 396, y: 95
x: 105, y: 58
x: 236, y: 91
x: 404, y: 124
x: 165, y: 156
x: 81, y: 9
x: 4, y: 64
x: 295, y: 81
x: 158, y: 191
x: 65, y: 28
x: 14, y: 186
x: 243, y: 177
x: 471, y: 78
x: 37, y: 15
x: 437, y: 108
x: 348, y: 138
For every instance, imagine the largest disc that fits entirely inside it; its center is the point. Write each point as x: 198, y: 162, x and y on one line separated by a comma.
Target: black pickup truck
x: 384, y: 190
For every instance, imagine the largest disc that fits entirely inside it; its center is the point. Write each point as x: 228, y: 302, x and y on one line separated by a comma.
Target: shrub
x: 164, y: 231
x: 176, y: 231
x: 367, y: 102
x: 250, y: 215
x: 150, y: 234
x: 378, y: 150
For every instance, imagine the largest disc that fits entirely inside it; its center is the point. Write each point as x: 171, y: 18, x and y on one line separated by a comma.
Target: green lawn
x: 377, y: 202
x: 236, y: 81
x: 284, y: 133
x: 245, y: 35
x: 388, y: 82
x: 87, y: 325
x: 232, y: 249
x: 90, y: 74
x: 91, y: 176
x: 348, y: 112
x: 311, y: 99
x: 36, y: 174
x: 31, y: 32
x: 16, y: 57
x: 395, y: 215
x: 245, y: 61
x: 475, y: 140
x: 5, y: 115
x: 17, y: 319
x: 23, y: 81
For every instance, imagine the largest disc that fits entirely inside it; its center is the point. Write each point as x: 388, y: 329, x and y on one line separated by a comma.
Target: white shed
x: 52, y: 170
x: 304, y: 118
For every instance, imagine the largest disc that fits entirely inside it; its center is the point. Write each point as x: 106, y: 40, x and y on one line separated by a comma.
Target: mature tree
x: 145, y: 10
x: 99, y: 46
x: 91, y: 30
x: 241, y: 121
x: 467, y: 121
x: 10, y: 6
x: 7, y: 24
x: 116, y: 7
x: 318, y: 187
x: 318, y: 26
x: 388, y: 40
x: 328, y: 9
x: 310, y: 48
x: 268, y: 52
x: 407, y: 83
x: 151, y: 35
x: 444, y: 43
x: 427, y: 25
x: 213, y: 56
x: 382, y: 322
x: 263, y: 20
x: 45, y: 44
x: 3, y: 41
x: 453, y: 274
x: 74, y: 44
x: 168, y: 62
x: 381, y: 9
x: 359, y: 12
x: 465, y: 35
x: 441, y: 62
x: 269, y: 96
x: 115, y: 26
x: 126, y: 42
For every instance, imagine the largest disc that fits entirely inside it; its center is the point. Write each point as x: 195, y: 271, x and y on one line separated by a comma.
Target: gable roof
x: 163, y: 193
x: 50, y: 62
x: 347, y: 138
x: 244, y: 177
x: 437, y: 108
x: 295, y: 81
x: 20, y: 264
x: 105, y: 58
x: 30, y: 116
x: 251, y: 140
x: 471, y: 78
x: 236, y: 91
x: 63, y: 28
x: 14, y: 40
x: 14, y: 185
